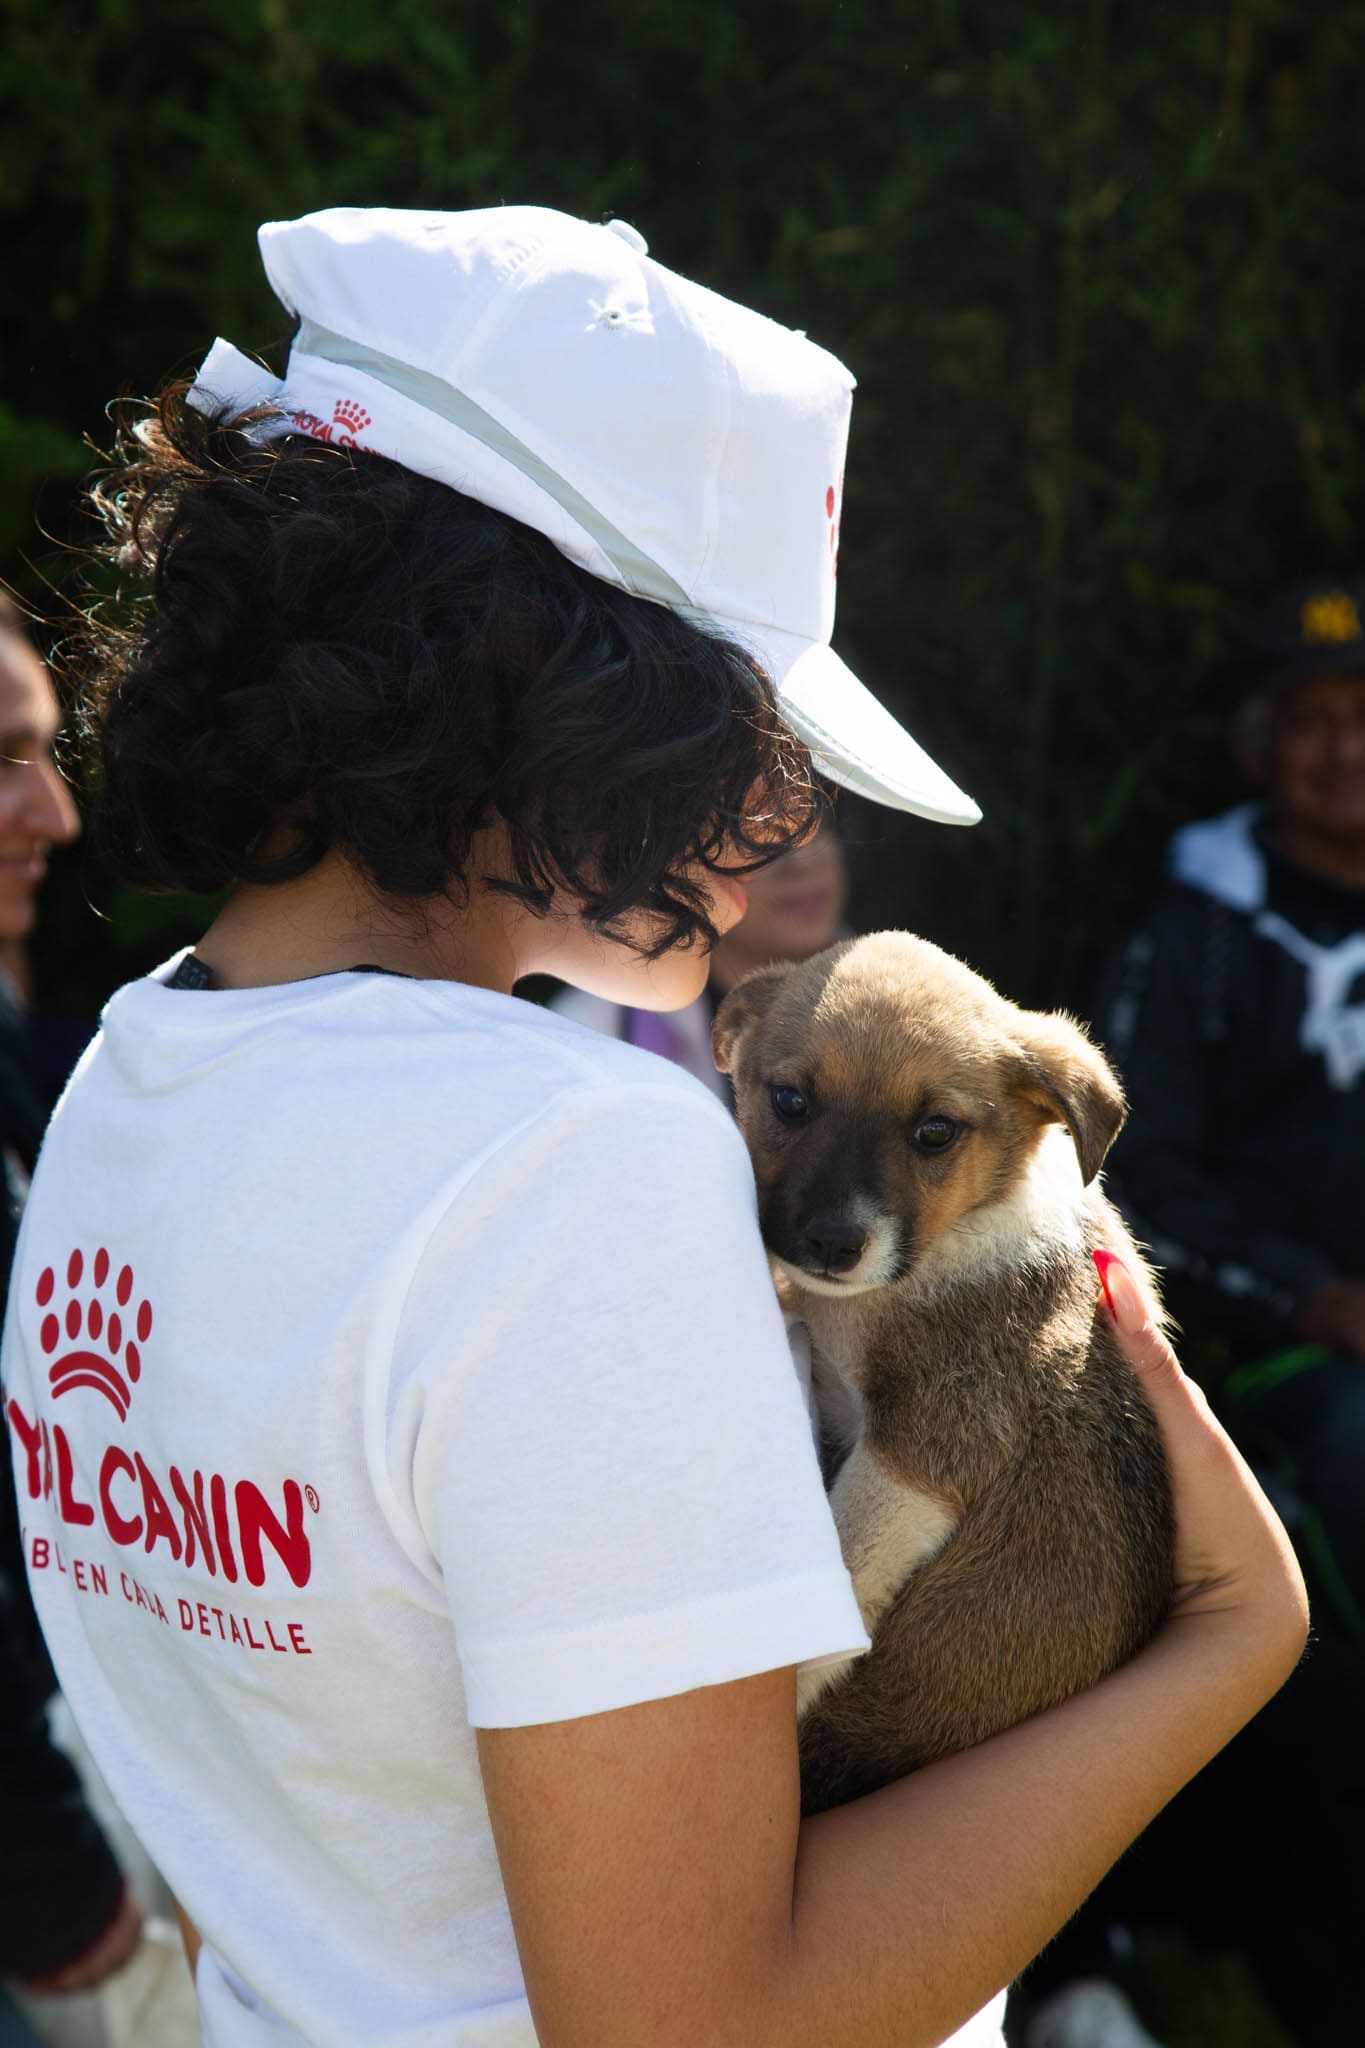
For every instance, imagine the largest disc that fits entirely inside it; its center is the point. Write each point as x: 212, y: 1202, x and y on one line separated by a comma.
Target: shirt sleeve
x: 613, y: 1467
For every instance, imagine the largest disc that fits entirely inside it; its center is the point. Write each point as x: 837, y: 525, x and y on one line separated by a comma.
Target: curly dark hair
x: 337, y: 653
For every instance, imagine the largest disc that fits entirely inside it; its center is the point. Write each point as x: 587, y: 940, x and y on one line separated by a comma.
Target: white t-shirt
x: 386, y: 1359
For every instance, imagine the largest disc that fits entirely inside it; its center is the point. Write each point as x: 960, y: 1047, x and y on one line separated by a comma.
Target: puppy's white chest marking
x: 886, y: 1531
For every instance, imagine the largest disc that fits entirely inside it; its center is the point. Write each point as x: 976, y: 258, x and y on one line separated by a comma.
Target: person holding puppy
x: 448, y: 1523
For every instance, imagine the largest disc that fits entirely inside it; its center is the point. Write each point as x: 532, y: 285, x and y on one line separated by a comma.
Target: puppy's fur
x: 997, y: 1476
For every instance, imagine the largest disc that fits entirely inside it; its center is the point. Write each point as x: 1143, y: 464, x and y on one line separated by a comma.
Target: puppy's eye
x: 791, y: 1104
x: 935, y: 1134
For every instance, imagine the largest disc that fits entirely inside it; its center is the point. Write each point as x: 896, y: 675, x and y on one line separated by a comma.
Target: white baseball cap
x: 668, y: 440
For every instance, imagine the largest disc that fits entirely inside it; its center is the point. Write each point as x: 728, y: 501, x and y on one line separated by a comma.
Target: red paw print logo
x: 349, y: 421
x: 833, y: 508
x: 100, y: 1326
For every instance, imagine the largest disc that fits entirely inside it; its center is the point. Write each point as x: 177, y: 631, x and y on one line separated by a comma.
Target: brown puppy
x: 926, y: 1157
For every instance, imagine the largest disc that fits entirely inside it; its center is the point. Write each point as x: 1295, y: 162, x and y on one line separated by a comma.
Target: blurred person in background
x: 36, y: 808
x: 1236, y: 1013
x: 796, y: 908
x: 67, y: 1916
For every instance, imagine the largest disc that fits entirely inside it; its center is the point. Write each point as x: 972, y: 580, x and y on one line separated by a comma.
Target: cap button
x: 632, y: 237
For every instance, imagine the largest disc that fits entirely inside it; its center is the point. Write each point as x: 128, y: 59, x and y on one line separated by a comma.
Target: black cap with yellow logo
x: 1316, y: 629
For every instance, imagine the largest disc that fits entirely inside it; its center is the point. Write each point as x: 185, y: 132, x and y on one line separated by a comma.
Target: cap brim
x: 854, y: 739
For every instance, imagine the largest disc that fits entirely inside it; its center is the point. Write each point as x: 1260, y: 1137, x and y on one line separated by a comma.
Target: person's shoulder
x: 548, y: 1071
x: 1221, y: 859
x: 412, y: 1065
x: 601, y: 1073
x: 574, y: 1131
x: 1203, y: 910
x: 618, y: 1114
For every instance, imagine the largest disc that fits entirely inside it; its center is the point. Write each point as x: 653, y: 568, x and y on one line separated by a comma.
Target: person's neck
x: 730, y: 962
x: 1328, y: 857
x: 327, y: 920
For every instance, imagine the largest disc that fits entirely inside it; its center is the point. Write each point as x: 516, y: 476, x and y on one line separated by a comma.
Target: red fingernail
x: 1130, y: 1307
x: 1103, y: 1261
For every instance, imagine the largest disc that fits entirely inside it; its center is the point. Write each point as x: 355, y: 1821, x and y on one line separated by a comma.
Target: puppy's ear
x: 747, y: 1003
x: 1072, y: 1081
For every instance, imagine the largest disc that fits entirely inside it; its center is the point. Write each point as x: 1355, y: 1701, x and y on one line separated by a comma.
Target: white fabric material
x: 1091, y: 2013
x: 986, y: 2030
x: 496, y: 1424
x: 669, y: 440
x: 1220, y: 857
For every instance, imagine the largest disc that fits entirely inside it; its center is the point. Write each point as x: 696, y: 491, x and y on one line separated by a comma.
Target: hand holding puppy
x: 1232, y: 1556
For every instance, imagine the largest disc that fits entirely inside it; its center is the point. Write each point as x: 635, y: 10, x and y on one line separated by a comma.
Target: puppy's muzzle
x: 844, y: 1250
x: 835, y: 1245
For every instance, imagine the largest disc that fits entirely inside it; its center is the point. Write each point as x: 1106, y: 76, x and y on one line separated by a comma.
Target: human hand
x: 1232, y: 1557
x: 1335, y: 1314
x: 105, y: 1955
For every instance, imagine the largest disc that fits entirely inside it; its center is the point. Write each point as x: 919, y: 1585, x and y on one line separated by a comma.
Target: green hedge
x: 1093, y: 264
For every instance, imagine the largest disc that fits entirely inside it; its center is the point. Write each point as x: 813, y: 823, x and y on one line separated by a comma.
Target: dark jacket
x: 59, y: 1881
x: 1237, y: 1016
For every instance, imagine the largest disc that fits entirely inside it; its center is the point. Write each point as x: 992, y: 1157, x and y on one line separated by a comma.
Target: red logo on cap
x: 833, y: 507
x: 348, y: 422
x: 93, y: 1318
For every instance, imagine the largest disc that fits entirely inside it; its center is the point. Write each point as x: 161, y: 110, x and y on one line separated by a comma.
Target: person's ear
x: 1072, y: 1083
x: 748, y: 1002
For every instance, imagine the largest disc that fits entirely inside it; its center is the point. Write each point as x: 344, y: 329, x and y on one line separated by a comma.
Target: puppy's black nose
x: 837, y: 1245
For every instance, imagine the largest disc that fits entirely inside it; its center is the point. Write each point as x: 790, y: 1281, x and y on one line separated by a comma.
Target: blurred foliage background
x: 1092, y: 263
